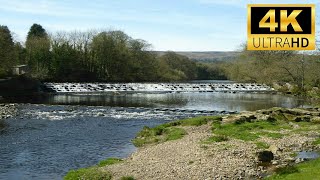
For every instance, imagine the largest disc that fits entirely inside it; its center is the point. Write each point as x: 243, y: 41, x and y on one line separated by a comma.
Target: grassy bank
x: 306, y: 170
x: 169, y: 131
x: 95, y: 172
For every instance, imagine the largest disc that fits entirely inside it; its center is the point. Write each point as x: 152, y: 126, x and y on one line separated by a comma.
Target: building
x: 20, y: 69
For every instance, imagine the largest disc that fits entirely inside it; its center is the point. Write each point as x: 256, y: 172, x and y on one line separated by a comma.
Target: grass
x: 174, y: 133
x: 271, y: 134
x: 109, y: 161
x: 214, y: 139
x: 91, y: 173
x: 198, y: 121
x: 262, y: 145
x: 158, y: 134
x: 316, y: 142
x: 294, y: 154
x: 169, y: 131
x: 307, y: 170
x: 248, y: 131
x: 94, y: 172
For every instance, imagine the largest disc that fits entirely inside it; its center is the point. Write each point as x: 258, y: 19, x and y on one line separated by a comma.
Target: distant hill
x: 207, y: 56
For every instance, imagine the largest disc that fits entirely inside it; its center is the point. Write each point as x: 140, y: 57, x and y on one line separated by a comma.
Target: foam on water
x: 156, y: 87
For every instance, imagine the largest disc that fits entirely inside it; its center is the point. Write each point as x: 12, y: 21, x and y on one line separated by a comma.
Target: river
x: 56, y: 133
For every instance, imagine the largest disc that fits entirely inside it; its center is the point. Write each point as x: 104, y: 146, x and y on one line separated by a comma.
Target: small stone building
x: 20, y: 69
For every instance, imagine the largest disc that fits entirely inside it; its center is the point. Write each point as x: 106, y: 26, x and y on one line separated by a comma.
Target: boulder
x: 265, y: 156
x: 274, y: 149
x: 302, y: 119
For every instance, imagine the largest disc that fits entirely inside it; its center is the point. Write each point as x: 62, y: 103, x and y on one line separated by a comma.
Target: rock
x: 293, y: 125
x: 289, y: 159
x: 274, y: 149
x: 271, y: 119
x: 315, y: 120
x: 100, y: 114
x: 302, y: 119
x: 265, y: 156
x: 275, y: 162
x: 299, y: 160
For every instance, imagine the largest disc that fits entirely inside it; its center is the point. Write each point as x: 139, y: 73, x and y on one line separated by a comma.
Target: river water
x: 56, y: 133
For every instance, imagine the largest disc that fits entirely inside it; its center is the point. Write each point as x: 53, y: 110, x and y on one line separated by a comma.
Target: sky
x: 176, y: 25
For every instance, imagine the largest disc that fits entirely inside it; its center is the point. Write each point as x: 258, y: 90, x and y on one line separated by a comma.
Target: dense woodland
x: 109, y: 56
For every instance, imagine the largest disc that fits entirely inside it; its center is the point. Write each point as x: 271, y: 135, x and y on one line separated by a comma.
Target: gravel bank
x: 190, y: 158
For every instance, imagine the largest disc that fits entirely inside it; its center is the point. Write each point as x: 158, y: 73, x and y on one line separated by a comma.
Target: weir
x: 155, y: 87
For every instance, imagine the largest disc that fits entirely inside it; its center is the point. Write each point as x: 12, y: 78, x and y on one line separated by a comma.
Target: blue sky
x: 179, y: 25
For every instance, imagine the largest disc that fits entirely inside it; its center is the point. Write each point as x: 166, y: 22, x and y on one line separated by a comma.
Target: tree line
x: 297, y: 72
x: 109, y: 56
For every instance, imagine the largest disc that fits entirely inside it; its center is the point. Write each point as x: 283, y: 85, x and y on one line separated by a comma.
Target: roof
x: 19, y: 66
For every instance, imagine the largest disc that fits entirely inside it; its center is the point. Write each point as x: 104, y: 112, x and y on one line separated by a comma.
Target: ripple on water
x: 45, y: 142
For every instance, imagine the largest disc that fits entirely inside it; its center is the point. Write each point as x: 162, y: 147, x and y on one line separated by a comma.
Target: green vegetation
x: 109, y: 161
x: 248, y: 131
x: 262, y: 145
x: 307, y: 170
x: 197, y: 121
x: 91, y: 173
x: 317, y: 141
x: 94, y: 172
x: 287, y: 71
x: 7, y: 57
x: 158, y: 134
x: 294, y: 154
x: 127, y: 178
x: 96, y: 56
x: 168, y: 131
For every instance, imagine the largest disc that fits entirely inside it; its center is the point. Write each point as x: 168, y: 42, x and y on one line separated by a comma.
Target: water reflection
x: 196, y: 101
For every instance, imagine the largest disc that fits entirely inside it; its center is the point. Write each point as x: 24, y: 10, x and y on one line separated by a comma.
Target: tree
x: 182, y: 64
x: 38, y: 54
x: 142, y: 62
x: 20, y: 53
x: 36, y: 31
x: 111, y: 55
x: 7, y: 58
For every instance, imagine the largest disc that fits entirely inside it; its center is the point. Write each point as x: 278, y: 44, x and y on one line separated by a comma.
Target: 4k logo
x: 281, y: 27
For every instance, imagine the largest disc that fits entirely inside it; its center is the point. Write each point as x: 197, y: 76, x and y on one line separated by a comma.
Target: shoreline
x: 191, y: 157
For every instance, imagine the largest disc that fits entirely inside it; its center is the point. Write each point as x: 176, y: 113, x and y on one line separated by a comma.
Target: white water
x: 157, y: 87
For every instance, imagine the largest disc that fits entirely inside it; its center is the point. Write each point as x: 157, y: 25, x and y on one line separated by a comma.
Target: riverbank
x: 247, y: 145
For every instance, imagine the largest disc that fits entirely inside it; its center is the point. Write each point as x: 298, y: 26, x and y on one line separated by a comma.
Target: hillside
x: 207, y: 56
